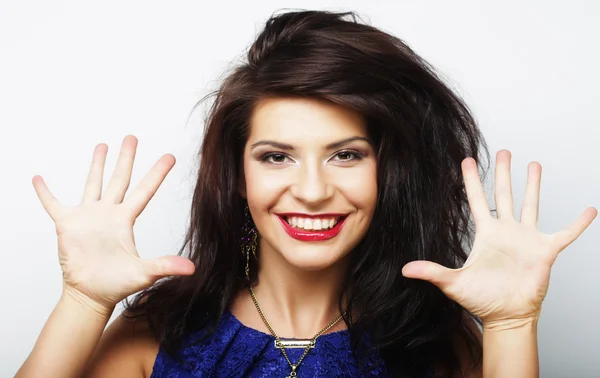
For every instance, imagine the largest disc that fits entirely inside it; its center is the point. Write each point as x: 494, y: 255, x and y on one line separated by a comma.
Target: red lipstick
x: 311, y: 235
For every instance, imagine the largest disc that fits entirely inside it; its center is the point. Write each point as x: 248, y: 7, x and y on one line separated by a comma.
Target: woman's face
x: 310, y: 177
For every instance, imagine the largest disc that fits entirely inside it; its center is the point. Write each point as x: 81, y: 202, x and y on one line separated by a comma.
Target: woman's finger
x: 503, y: 186
x: 93, y: 184
x: 567, y: 236
x: 531, y: 202
x: 437, y: 274
x: 475, y: 194
x: 119, y: 182
x: 145, y: 190
x: 49, y: 202
x: 168, y: 266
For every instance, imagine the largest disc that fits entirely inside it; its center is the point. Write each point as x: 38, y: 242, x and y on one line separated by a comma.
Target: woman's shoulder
x: 127, y: 348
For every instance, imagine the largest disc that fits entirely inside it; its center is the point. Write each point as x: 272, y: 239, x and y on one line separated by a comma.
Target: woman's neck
x: 297, y: 303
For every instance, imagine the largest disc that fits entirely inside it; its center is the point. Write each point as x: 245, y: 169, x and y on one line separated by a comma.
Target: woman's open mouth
x: 312, y: 228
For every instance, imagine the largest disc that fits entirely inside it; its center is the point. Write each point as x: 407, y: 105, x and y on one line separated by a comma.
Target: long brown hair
x: 422, y: 132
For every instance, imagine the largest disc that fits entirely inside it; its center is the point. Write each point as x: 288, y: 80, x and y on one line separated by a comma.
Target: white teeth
x: 311, y: 224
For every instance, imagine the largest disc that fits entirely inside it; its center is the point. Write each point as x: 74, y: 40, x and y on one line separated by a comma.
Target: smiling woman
x: 310, y: 174
x: 338, y: 228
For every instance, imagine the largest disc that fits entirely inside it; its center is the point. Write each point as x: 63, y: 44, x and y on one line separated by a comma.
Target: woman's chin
x: 313, y: 258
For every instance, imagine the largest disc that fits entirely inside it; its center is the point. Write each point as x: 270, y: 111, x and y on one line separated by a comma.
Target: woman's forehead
x: 304, y: 119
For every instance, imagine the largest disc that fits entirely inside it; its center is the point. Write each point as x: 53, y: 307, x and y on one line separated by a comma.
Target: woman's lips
x: 312, y: 235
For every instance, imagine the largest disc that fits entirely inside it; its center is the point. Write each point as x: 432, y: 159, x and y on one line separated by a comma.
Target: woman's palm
x: 498, y: 281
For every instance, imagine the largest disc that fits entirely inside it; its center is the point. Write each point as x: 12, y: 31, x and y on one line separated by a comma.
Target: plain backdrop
x: 73, y: 74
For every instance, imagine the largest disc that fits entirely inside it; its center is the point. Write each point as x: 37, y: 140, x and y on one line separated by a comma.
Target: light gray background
x: 74, y: 73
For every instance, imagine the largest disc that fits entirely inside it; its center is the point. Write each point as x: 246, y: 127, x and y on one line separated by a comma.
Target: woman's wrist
x: 525, y: 324
x: 74, y: 298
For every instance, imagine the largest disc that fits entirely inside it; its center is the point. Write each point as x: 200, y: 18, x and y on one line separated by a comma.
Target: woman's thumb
x: 169, y: 266
x: 437, y: 274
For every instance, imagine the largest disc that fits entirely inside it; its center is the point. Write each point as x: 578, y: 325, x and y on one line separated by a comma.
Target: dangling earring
x: 249, y: 236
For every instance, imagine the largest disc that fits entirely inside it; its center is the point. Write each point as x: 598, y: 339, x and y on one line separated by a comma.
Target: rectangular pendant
x: 291, y: 343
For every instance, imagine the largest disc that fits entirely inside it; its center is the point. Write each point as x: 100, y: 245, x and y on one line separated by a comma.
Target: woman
x: 329, y: 232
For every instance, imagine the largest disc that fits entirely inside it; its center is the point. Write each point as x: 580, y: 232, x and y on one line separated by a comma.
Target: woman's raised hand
x: 505, y: 278
x: 96, y: 247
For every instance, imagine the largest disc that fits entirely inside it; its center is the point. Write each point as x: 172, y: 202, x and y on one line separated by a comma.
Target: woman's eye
x: 347, y: 156
x: 274, y: 158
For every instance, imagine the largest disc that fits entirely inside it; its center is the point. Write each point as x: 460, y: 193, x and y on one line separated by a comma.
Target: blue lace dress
x: 235, y: 350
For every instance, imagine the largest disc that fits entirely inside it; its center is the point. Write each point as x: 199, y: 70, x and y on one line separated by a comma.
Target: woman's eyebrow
x: 289, y: 147
x: 282, y: 146
x: 340, y: 143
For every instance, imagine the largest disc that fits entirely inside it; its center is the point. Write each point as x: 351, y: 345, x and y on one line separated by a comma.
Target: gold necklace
x: 280, y: 345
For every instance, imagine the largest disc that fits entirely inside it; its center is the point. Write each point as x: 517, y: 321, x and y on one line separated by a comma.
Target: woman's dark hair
x: 422, y: 132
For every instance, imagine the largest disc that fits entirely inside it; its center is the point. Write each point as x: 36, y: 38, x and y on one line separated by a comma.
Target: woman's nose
x: 311, y: 185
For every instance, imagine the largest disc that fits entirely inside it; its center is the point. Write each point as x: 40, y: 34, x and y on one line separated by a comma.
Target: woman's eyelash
x: 352, y: 154
x: 269, y: 155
